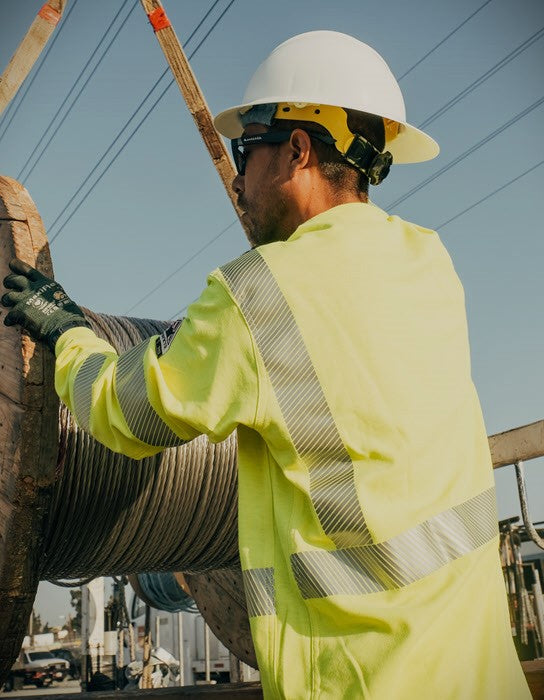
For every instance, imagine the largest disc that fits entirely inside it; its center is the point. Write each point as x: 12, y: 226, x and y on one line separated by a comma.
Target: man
x: 337, y: 347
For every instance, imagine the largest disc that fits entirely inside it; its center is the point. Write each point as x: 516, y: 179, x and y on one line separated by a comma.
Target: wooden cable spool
x: 31, y: 469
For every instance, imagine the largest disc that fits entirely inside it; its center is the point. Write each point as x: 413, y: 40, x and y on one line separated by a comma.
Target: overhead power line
x: 179, y: 313
x: 134, y: 131
x: 53, y: 122
x: 491, y: 194
x: 482, y: 79
x: 184, y: 264
x: 97, y: 165
x: 448, y: 36
x: 7, y: 117
x: 436, y: 228
x: 479, y: 81
x: 501, y: 64
x: 465, y: 154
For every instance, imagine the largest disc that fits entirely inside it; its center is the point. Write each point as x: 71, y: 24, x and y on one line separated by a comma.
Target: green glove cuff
x: 55, y: 335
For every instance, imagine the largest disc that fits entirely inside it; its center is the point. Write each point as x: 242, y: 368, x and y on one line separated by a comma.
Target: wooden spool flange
x: 29, y: 411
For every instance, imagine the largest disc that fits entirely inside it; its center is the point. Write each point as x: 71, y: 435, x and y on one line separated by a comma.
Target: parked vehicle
x: 74, y: 670
x: 29, y: 671
x: 47, y: 662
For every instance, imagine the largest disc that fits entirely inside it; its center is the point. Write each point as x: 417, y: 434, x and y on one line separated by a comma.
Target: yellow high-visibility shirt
x: 367, y: 520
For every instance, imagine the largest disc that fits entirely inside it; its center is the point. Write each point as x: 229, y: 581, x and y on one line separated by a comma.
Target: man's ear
x: 300, y: 149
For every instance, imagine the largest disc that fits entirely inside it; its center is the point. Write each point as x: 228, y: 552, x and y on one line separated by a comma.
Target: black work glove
x: 39, y: 304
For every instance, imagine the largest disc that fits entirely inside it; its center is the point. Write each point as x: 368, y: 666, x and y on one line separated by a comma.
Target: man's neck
x: 312, y: 206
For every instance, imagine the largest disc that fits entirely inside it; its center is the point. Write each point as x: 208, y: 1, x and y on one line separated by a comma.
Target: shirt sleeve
x: 200, y: 378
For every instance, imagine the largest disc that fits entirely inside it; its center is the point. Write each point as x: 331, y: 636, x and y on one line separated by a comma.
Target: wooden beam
x: 29, y: 49
x: 192, y: 94
x: 526, y: 442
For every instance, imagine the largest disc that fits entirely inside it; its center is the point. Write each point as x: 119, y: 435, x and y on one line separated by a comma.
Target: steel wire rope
x: 112, y: 515
x: 37, y: 70
x: 442, y: 41
x: 134, y: 131
x: 72, y: 89
x: 120, y: 334
x: 163, y: 590
x: 465, y: 154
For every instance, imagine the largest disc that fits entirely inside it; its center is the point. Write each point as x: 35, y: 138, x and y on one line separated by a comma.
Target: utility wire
x: 134, y: 131
x: 444, y: 39
x: 479, y: 81
x: 498, y: 66
x: 184, y: 264
x: 46, y: 53
x: 72, y: 89
x: 95, y: 168
x: 179, y: 313
x: 491, y: 194
x: 431, y: 118
x: 435, y: 228
x: 465, y: 154
x: 119, y: 135
x: 223, y: 231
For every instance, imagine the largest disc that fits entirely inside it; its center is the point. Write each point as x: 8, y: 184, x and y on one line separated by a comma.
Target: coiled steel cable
x: 163, y: 592
x: 109, y: 515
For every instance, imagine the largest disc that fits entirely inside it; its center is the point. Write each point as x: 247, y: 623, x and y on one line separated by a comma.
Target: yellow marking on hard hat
x: 334, y: 119
x: 392, y: 129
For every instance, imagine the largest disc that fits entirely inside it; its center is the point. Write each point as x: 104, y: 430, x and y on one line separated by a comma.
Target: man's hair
x: 334, y: 168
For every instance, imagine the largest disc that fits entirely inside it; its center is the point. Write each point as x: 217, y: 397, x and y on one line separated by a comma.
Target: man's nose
x: 238, y: 184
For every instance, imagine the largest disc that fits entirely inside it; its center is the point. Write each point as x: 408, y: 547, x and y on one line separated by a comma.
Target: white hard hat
x: 331, y: 68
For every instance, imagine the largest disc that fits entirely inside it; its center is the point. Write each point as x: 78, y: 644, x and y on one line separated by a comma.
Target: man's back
x: 378, y: 477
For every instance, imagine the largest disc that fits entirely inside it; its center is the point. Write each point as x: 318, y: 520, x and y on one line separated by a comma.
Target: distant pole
x: 146, y: 675
x: 207, y: 652
x: 29, y: 49
x: 157, y: 631
x: 31, y: 628
x: 180, y: 648
x: 120, y: 654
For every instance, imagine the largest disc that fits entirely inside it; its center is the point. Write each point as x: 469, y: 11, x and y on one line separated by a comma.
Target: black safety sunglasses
x: 239, y: 145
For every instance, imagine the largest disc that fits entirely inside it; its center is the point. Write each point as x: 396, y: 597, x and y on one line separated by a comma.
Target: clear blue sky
x: 161, y: 201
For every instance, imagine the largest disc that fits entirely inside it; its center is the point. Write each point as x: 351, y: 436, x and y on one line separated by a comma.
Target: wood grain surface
x: 28, y: 430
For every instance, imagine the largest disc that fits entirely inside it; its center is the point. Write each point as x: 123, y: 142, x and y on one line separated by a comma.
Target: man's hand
x: 39, y: 304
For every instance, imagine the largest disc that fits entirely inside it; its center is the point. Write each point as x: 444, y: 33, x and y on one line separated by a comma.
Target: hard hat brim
x: 411, y: 145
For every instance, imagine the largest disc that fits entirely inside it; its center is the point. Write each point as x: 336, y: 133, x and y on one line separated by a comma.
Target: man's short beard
x: 273, y: 230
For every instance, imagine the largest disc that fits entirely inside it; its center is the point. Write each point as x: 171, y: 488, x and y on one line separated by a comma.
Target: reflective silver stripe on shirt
x: 83, y: 386
x: 131, y: 390
x: 403, y: 559
x: 304, y: 407
x: 259, y: 591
